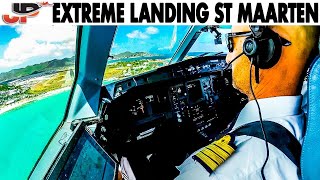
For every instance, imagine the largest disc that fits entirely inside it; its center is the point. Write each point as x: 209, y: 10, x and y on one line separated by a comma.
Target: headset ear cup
x: 265, y: 50
x: 270, y: 49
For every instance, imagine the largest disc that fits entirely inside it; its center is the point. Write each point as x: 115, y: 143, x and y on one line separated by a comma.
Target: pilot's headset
x: 263, y: 48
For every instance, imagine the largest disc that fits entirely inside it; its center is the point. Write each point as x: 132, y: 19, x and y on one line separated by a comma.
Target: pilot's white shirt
x: 250, y: 155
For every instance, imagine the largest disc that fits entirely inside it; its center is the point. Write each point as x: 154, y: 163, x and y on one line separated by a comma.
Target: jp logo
x: 23, y: 10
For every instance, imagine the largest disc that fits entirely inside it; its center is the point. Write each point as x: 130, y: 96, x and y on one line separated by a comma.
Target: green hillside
x: 129, y: 54
x: 53, y: 65
x: 58, y: 65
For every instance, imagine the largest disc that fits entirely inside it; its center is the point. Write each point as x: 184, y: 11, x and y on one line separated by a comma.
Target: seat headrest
x: 310, y: 156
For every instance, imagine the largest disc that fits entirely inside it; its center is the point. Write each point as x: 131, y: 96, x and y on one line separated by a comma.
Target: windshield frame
x: 191, y: 38
x: 83, y: 65
x: 86, y: 59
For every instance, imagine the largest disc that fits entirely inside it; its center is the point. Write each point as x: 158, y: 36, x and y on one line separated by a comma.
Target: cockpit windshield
x: 138, y: 49
x: 208, y: 43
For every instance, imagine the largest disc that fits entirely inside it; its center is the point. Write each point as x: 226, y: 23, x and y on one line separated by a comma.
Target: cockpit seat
x: 310, y: 156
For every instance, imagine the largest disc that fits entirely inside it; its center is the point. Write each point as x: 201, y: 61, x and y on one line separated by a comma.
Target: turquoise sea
x: 25, y: 131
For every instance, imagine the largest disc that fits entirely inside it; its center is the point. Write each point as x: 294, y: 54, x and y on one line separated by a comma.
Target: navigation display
x: 195, y: 91
x: 88, y: 161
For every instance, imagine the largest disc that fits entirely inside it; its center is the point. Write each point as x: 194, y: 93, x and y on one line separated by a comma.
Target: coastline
x: 26, y: 101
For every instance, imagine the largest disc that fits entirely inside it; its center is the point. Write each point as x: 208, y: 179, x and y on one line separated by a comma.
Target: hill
x: 58, y: 65
x: 53, y: 65
x: 129, y: 54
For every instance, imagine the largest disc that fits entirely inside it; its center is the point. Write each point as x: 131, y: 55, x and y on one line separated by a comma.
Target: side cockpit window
x: 36, y: 73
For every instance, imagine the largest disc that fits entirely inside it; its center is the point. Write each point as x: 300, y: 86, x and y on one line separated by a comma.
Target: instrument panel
x: 190, y: 102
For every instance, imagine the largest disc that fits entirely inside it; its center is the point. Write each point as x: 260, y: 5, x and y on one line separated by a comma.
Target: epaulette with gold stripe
x: 214, y: 154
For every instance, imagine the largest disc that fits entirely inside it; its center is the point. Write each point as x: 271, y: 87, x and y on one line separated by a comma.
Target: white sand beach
x: 25, y: 101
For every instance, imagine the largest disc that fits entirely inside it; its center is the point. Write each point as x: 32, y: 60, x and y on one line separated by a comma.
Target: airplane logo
x: 23, y: 11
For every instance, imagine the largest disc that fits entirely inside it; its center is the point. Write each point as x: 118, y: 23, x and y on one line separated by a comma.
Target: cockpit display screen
x: 88, y: 161
x: 195, y: 91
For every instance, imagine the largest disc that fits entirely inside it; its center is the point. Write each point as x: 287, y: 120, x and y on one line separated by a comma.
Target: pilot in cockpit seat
x: 268, y: 65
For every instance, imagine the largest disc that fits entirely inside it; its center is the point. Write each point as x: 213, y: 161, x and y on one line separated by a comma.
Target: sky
x: 25, y: 45
x: 163, y: 40
x: 152, y: 39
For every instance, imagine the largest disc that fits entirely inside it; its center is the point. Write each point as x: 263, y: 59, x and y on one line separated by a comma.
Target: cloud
x: 137, y: 34
x: 38, y: 41
x: 152, y: 30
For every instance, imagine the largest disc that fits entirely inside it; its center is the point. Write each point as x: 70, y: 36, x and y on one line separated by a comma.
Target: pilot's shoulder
x: 197, y: 166
x: 245, y: 162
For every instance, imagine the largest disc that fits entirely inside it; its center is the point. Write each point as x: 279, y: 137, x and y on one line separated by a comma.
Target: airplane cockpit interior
x: 150, y: 115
